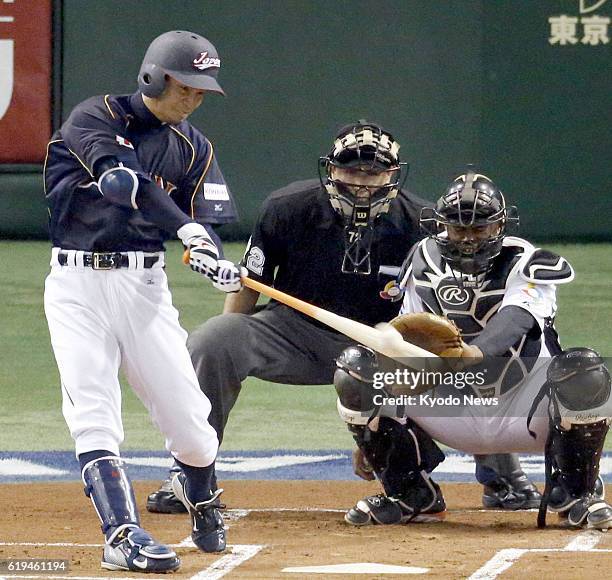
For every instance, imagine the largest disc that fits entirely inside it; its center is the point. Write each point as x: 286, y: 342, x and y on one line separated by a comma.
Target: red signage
x: 25, y: 80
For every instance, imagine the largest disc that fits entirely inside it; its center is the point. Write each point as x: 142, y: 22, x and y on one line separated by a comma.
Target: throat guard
x: 361, y: 174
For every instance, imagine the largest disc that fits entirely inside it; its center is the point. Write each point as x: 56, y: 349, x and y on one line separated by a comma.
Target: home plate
x: 360, y: 568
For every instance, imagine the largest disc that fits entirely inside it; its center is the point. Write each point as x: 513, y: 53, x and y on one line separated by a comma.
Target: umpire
x: 323, y: 241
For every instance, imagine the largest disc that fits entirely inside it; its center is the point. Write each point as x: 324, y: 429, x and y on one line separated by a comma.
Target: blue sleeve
x: 504, y: 329
x: 93, y: 132
x: 209, y: 198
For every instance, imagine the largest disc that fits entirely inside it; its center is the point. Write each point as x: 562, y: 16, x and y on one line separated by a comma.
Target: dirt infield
x: 281, y: 524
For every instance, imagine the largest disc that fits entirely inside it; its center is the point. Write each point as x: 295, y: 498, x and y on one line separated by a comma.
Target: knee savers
x: 110, y: 490
x: 579, y: 388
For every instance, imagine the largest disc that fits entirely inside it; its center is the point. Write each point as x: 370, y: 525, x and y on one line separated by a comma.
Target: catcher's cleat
x: 132, y: 549
x: 208, y: 531
x: 561, y: 501
x: 164, y: 500
x: 416, y: 506
x: 520, y: 494
x: 590, y: 512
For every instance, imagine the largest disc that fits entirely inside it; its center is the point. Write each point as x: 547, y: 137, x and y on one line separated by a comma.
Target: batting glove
x: 228, y: 278
x: 204, y: 258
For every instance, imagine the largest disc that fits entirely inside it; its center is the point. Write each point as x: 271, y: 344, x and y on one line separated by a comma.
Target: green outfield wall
x: 519, y: 87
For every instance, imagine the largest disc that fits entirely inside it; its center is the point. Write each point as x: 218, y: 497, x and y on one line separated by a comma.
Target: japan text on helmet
x: 186, y: 57
x: 472, y: 203
x: 366, y: 147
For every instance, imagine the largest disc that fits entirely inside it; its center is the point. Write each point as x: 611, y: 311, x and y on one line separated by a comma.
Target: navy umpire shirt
x: 177, y: 157
x: 298, y: 245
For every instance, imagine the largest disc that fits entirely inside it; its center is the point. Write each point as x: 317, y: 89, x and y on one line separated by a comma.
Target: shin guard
x: 110, y: 490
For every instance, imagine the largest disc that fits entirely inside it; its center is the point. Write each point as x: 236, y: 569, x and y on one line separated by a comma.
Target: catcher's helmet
x: 472, y: 203
x: 185, y: 56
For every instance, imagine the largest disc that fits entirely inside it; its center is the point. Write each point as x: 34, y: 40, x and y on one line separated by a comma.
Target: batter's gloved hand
x: 228, y: 277
x: 202, y: 256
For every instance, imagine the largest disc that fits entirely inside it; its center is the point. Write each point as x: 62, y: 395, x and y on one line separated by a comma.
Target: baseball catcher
x: 486, y: 301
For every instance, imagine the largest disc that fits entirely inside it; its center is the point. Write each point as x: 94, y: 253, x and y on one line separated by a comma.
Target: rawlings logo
x: 203, y: 61
x: 453, y: 295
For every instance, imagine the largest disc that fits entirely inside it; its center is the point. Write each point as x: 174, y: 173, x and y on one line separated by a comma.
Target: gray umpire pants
x: 275, y: 344
x: 278, y: 345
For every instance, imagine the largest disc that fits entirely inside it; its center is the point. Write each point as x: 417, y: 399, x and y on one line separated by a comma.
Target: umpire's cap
x: 365, y: 145
x: 187, y: 57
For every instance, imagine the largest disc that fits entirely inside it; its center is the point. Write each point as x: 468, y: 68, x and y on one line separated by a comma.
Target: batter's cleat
x: 561, y: 501
x: 590, y: 512
x: 207, y: 529
x: 519, y: 494
x: 164, y: 500
x: 132, y: 549
x: 418, y: 506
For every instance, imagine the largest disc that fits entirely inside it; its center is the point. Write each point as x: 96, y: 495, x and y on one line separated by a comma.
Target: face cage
x: 477, y: 262
x: 345, y: 203
x: 358, y: 219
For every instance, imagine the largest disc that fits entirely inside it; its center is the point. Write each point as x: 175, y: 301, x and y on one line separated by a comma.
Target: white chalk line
x: 225, y: 564
x: 239, y: 554
x: 501, y: 561
x: 504, y: 559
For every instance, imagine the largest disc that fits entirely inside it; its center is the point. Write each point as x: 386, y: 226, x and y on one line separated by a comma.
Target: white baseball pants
x: 104, y: 320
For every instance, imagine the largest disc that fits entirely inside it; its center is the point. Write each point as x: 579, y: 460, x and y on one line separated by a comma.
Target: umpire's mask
x: 362, y: 175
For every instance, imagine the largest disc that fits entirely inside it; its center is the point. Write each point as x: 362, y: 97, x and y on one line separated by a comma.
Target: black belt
x: 107, y: 260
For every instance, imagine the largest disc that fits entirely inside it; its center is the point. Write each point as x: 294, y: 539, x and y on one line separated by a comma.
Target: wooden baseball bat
x: 383, y: 339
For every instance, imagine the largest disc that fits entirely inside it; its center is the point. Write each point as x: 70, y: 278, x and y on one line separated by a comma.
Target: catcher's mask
x: 361, y: 174
x: 469, y: 223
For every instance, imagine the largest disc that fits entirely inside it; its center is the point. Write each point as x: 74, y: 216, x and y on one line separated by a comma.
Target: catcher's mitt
x: 434, y: 333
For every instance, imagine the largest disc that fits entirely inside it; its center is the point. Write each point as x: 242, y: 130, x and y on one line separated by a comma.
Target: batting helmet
x: 186, y: 57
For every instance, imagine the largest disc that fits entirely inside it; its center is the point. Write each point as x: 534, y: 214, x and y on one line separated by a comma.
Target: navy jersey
x: 298, y: 244
x: 177, y: 157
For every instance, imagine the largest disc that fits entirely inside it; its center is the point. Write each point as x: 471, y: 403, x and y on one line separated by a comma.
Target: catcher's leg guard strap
x: 400, y: 455
x: 576, y: 453
x: 110, y: 490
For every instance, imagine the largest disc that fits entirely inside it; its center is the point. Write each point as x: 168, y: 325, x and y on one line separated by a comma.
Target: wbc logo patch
x: 203, y: 61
